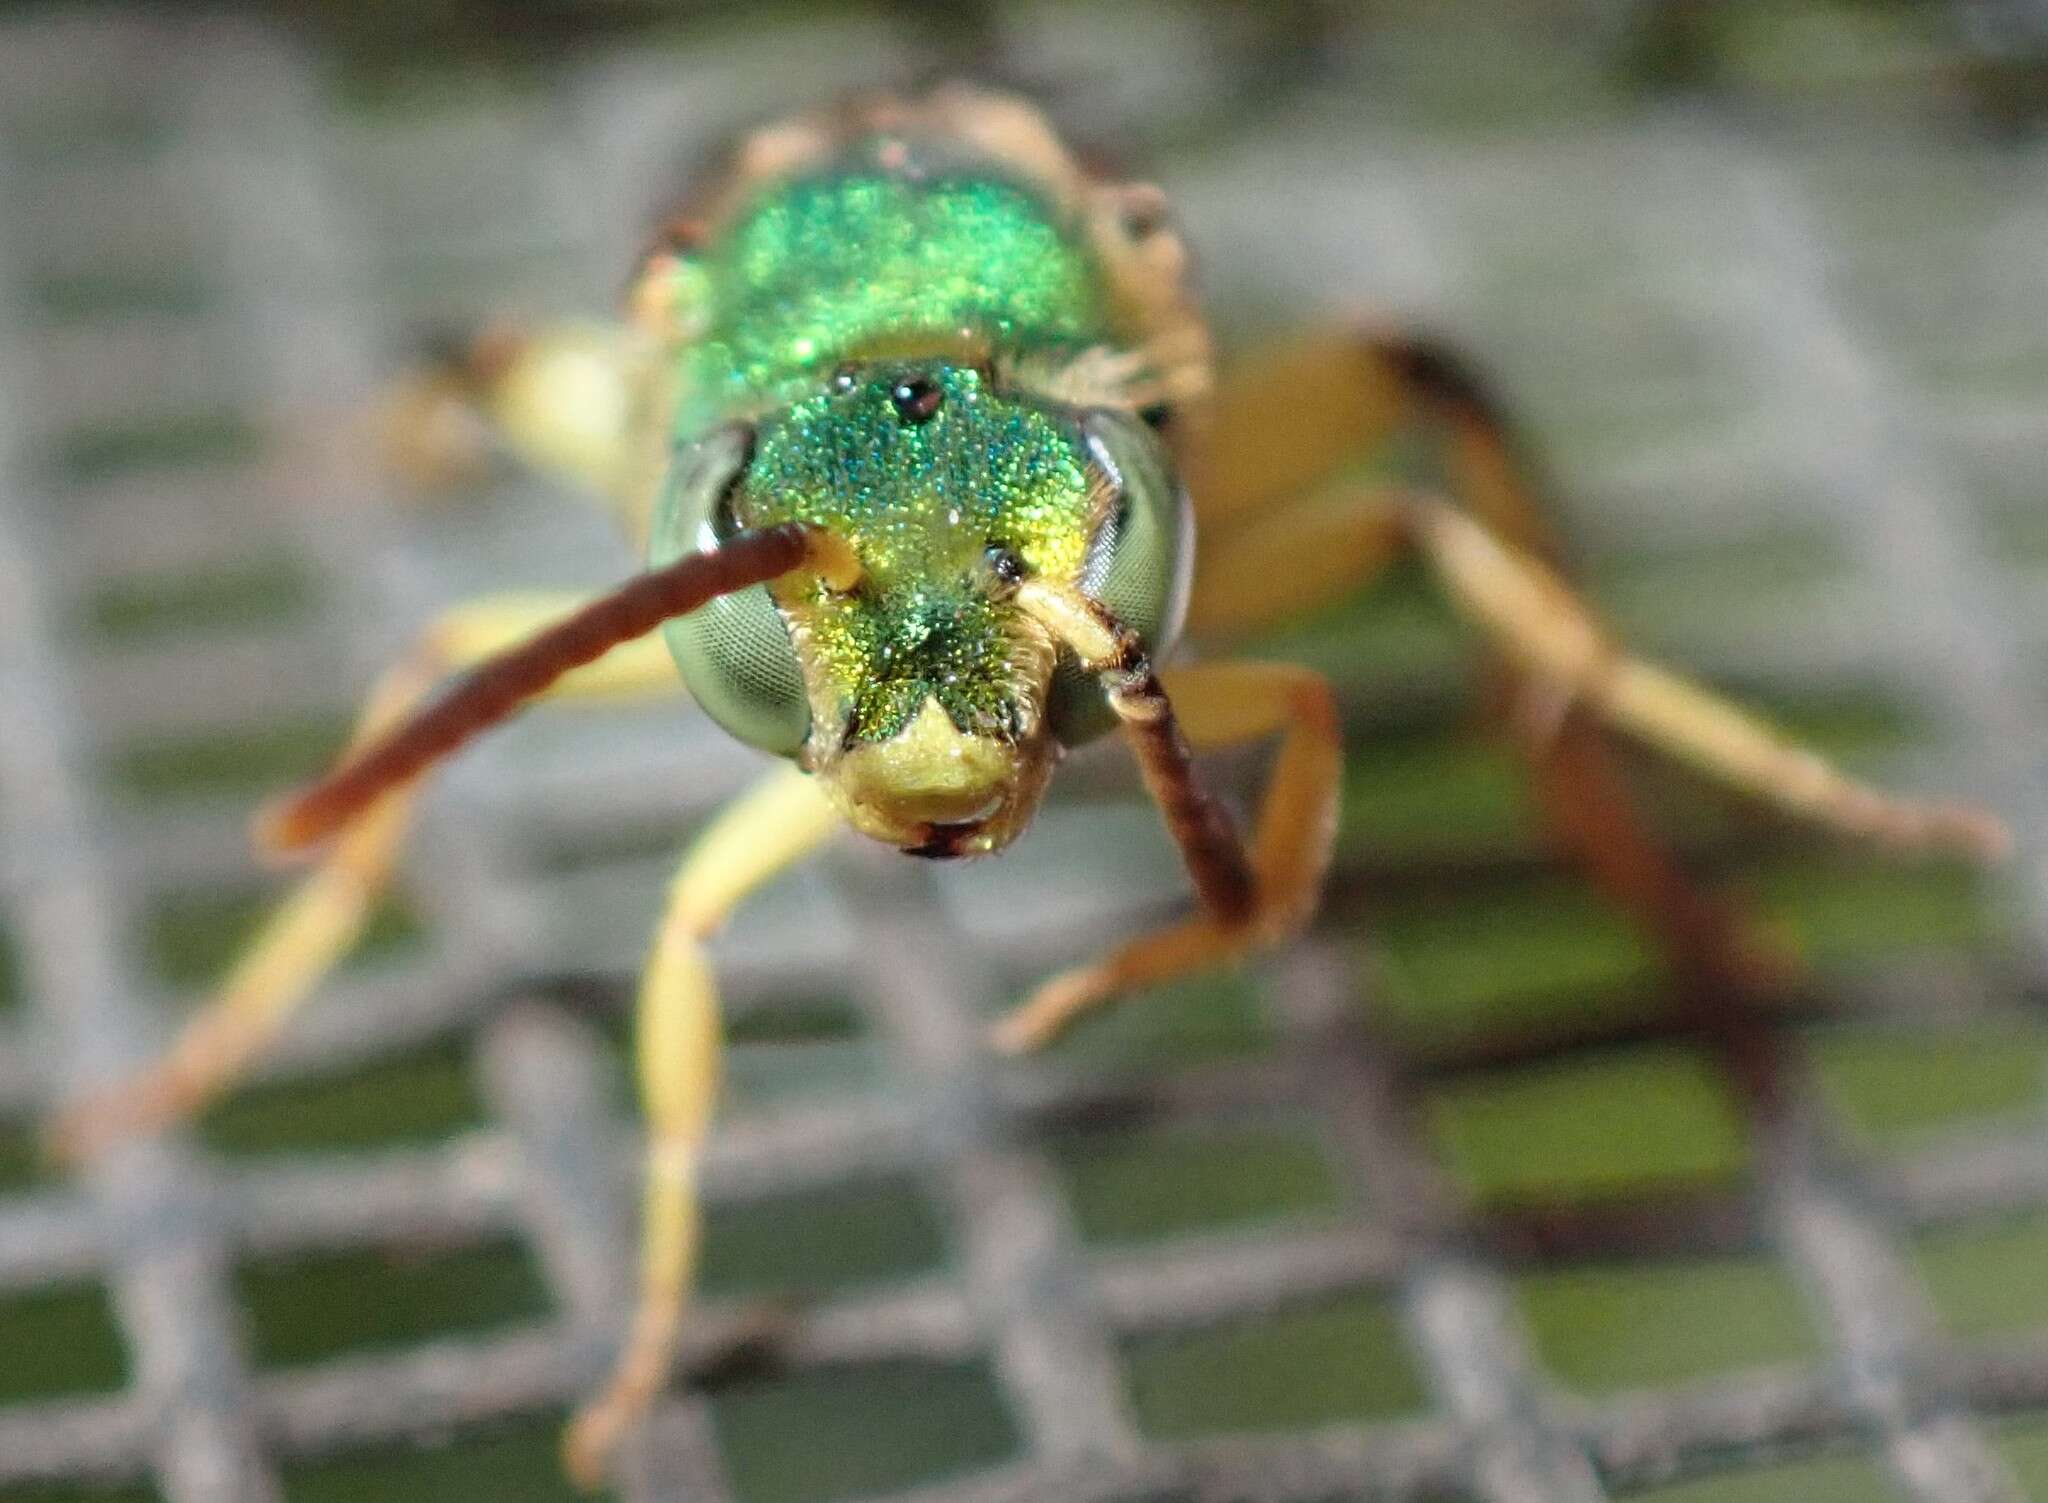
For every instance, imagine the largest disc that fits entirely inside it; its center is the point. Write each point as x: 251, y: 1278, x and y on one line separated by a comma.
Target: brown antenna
x: 497, y: 687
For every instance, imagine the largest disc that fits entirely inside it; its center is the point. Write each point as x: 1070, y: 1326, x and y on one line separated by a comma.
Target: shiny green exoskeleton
x: 874, y: 344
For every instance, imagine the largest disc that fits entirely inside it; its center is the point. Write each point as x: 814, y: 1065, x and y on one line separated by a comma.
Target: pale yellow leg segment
x: 1544, y: 630
x: 1336, y: 398
x: 1282, y: 432
x: 320, y: 922
x: 1281, y: 425
x: 1314, y: 551
x: 772, y: 826
x: 1226, y: 704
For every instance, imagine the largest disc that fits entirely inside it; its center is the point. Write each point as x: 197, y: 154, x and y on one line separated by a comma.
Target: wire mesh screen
x: 1445, y: 1202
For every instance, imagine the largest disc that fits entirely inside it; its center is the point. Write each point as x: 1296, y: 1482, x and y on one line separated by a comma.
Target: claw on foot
x: 1045, y: 1015
x: 590, y: 1441
x: 594, y: 1435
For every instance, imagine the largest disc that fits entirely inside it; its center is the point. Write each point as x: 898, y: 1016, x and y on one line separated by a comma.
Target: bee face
x: 922, y: 697
x: 926, y: 687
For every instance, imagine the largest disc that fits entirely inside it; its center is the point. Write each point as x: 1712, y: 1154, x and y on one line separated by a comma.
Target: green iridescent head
x: 931, y: 706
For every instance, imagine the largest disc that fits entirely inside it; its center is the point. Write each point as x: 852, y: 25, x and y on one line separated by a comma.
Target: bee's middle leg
x: 1268, y: 553
x: 313, y: 930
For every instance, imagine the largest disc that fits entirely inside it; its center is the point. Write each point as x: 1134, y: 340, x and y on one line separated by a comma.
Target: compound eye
x: 1141, y: 562
x: 734, y: 653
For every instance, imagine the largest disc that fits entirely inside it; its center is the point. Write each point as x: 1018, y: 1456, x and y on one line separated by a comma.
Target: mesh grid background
x: 1809, y: 346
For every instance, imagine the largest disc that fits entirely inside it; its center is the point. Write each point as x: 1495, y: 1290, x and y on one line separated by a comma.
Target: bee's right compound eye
x: 734, y: 653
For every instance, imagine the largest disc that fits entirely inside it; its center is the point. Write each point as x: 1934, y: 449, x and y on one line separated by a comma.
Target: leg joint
x: 1439, y: 374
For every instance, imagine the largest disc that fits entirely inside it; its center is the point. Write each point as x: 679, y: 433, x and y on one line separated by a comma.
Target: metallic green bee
x: 915, y: 418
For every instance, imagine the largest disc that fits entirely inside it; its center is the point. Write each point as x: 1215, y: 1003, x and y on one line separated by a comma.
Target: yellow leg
x: 1564, y: 659
x: 1267, y: 554
x: 1556, y: 647
x: 1225, y: 704
x: 1288, y: 425
x: 1497, y: 559
x: 1301, y: 555
x: 1283, y: 425
x: 319, y: 923
x: 773, y: 825
x: 1546, y: 632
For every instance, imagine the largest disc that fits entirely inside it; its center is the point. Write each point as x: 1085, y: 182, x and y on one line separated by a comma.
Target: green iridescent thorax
x: 923, y: 500
x: 821, y: 269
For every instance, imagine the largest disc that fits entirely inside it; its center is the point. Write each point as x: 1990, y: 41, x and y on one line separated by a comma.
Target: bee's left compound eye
x: 1140, y: 564
x: 734, y: 653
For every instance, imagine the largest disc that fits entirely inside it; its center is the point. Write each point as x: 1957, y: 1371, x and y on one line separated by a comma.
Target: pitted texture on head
x: 923, y: 489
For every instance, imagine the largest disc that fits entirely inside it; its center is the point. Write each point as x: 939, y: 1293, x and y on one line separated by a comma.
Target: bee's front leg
x: 773, y: 825
x: 1216, y: 705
